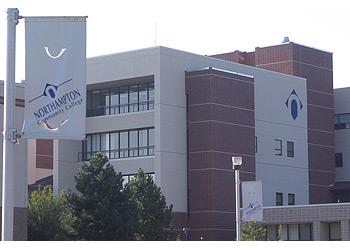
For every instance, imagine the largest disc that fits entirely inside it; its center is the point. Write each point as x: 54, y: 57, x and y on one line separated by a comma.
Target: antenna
x: 155, y: 34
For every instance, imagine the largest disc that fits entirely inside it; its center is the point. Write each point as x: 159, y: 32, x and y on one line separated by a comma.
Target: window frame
x: 281, y: 199
x: 280, y: 150
x: 290, y: 152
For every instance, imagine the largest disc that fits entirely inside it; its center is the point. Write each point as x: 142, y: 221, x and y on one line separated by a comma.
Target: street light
x: 236, y: 165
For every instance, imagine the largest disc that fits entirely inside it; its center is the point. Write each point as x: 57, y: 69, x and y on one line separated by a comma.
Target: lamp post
x: 236, y: 165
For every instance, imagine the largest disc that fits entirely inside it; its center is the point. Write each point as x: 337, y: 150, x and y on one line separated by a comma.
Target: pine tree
x: 103, y: 210
x: 153, y: 215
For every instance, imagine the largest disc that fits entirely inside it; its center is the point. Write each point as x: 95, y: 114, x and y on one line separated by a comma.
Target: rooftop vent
x: 285, y: 39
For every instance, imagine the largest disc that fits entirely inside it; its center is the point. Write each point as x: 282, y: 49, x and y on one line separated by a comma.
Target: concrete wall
x: 342, y: 136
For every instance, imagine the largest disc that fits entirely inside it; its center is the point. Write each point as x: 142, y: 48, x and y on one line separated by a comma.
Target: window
x: 291, y: 199
x: 278, y: 147
x: 129, y: 177
x: 279, y: 199
x: 256, y: 144
x: 119, y: 144
x: 119, y: 100
x: 334, y: 231
x: 342, y: 121
x: 290, y: 149
x: 338, y: 160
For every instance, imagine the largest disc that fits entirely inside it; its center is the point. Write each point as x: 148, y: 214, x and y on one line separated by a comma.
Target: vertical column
x: 9, y: 131
x: 316, y: 235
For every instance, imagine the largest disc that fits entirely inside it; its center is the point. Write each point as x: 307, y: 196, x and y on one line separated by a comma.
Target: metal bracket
x: 11, y: 134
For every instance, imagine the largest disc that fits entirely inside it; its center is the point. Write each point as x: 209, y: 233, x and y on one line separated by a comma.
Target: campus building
x: 181, y: 117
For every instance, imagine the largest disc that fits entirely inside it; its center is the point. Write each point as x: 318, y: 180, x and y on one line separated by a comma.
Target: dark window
x: 119, y: 100
x: 256, y: 144
x: 119, y: 144
x: 342, y: 121
x: 278, y: 147
x: 279, y: 199
x: 291, y: 199
x: 338, y: 160
x: 290, y: 149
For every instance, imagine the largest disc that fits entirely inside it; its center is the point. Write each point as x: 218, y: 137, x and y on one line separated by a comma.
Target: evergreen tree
x: 153, y: 216
x: 102, y: 209
x: 253, y: 232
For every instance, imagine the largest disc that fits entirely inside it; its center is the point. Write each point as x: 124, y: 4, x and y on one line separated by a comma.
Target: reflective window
x: 291, y: 199
x: 120, y: 144
x: 342, y: 121
x: 124, y: 99
x: 114, y: 101
x: 124, y: 144
x: 114, y: 146
x: 119, y: 100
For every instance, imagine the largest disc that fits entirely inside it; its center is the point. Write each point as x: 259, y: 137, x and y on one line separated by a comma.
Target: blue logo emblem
x: 50, y: 90
x: 294, y: 104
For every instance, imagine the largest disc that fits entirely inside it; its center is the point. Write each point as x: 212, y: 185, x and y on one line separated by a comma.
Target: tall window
x: 278, y: 147
x: 119, y: 100
x: 119, y: 144
x: 279, y: 199
x: 291, y: 199
x: 290, y: 149
x: 338, y: 160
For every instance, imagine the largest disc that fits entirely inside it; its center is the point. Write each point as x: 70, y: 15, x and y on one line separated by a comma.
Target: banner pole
x: 9, y: 131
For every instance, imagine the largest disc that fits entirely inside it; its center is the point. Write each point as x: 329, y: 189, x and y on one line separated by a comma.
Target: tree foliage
x: 252, y: 231
x: 103, y: 210
x: 153, y: 216
x: 49, y: 217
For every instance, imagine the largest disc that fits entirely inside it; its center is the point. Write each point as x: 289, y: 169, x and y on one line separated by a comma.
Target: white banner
x: 252, y: 201
x: 55, y: 85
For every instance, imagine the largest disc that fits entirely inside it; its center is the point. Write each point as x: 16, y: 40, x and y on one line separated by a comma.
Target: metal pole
x: 238, y: 206
x: 9, y: 131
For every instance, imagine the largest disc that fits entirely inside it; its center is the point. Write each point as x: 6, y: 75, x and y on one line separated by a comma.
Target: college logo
x: 294, y: 104
x: 57, y: 104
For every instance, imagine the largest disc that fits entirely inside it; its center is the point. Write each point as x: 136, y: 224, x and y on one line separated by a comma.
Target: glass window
x: 95, y: 143
x: 293, y: 231
x: 256, y: 144
x: 124, y: 144
x: 278, y: 147
x: 133, y: 98
x: 334, y: 231
x: 291, y: 199
x: 151, y: 141
x: 105, y: 144
x: 96, y: 103
x: 143, y: 142
x: 133, y: 143
x: 104, y: 105
x: 290, y: 149
x: 114, y: 101
x: 338, y: 160
x: 151, y: 96
x: 124, y: 99
x: 279, y: 199
x: 143, y: 98
x: 88, y: 104
x: 305, y: 232
x: 114, y: 145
